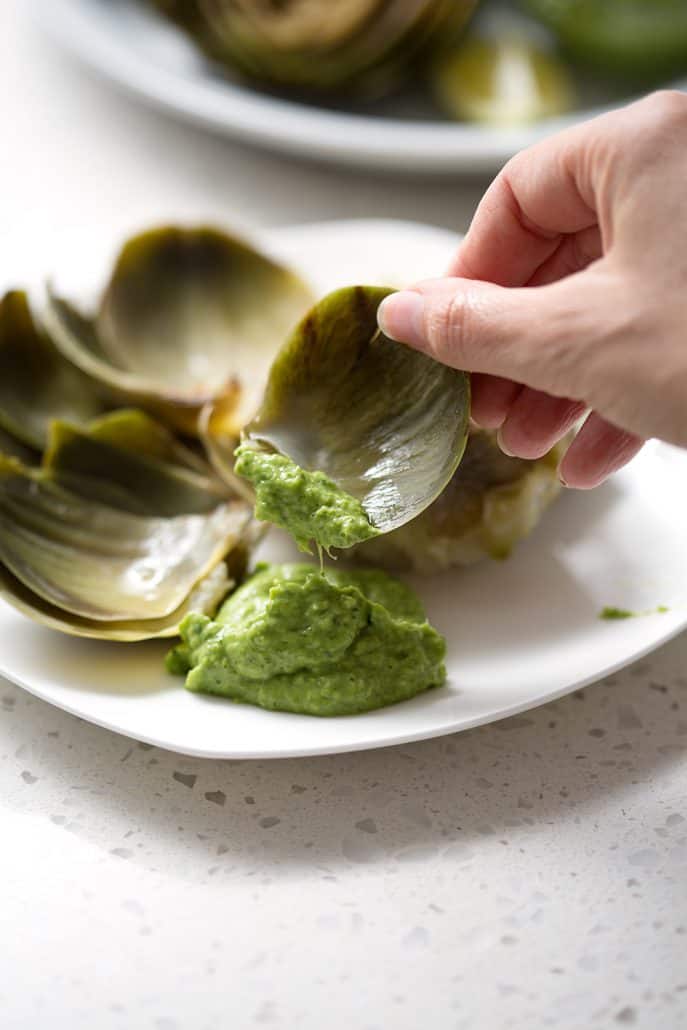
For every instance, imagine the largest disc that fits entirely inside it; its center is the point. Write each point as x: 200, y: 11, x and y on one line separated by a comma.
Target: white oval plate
x: 135, y: 49
x: 519, y: 632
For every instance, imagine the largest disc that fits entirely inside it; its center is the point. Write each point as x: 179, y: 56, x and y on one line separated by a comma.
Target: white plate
x: 135, y: 49
x: 519, y: 633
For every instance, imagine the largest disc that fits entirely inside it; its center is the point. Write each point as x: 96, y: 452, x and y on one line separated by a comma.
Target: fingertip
x: 400, y: 316
x: 536, y: 422
x: 503, y: 447
x: 492, y: 398
x: 598, y: 450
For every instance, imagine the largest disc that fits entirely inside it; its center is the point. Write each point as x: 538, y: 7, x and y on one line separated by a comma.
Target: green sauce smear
x: 309, y: 505
x: 610, y: 613
x: 295, y: 640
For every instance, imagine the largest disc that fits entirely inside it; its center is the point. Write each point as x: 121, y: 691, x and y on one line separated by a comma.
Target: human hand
x: 569, y: 293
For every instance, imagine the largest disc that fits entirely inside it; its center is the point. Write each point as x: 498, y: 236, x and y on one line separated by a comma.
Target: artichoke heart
x: 491, y: 503
x: 188, y: 315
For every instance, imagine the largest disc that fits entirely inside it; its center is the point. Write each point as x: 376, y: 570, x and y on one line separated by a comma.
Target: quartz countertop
x: 524, y: 875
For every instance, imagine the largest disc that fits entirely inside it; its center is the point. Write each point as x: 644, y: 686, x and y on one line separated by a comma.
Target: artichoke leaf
x: 188, y: 315
x: 205, y: 598
x: 387, y: 424
x: 131, y: 429
x: 217, y: 427
x: 36, y: 384
x: 125, y: 477
x: 11, y: 447
x: 492, y: 502
x: 102, y: 563
x: 195, y: 311
x: 75, y: 336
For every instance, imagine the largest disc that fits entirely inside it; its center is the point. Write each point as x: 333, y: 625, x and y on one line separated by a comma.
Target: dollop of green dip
x: 308, y: 504
x: 296, y: 640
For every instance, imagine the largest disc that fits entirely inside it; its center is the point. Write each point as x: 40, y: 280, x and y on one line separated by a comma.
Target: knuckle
x: 448, y: 330
x: 666, y: 107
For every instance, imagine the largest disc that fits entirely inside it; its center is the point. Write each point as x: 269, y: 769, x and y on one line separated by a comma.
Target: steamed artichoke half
x: 111, y: 525
x: 362, y: 45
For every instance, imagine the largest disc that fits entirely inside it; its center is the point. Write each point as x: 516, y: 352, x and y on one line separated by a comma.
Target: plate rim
x: 397, y: 145
x: 367, y: 745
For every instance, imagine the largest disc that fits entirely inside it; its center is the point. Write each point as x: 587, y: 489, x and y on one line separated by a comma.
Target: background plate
x: 519, y: 633
x: 135, y: 49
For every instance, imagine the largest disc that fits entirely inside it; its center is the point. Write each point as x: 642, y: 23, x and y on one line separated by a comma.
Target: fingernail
x: 401, y: 317
x: 502, y: 446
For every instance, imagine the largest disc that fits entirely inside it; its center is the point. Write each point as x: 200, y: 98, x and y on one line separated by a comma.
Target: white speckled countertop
x: 529, y: 874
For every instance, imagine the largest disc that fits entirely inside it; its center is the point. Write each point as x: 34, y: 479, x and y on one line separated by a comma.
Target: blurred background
x: 402, y: 109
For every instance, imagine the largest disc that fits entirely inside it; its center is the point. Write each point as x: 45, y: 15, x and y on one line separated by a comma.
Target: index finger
x: 542, y: 195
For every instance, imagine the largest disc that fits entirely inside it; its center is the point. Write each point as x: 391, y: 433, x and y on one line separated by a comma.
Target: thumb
x: 539, y: 336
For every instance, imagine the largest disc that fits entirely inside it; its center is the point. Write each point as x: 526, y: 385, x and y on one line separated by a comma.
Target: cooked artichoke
x: 11, y: 447
x: 501, y: 81
x: 637, y: 40
x: 101, y: 562
x: 121, y: 533
x: 491, y: 503
x: 185, y: 13
x: 188, y: 315
x: 217, y: 430
x: 131, y: 482
x: 385, y: 423
x: 37, y: 385
x: 363, y: 45
x: 205, y: 598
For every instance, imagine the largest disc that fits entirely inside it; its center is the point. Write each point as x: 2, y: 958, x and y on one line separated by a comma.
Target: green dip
x: 307, y: 504
x: 294, y: 639
x: 611, y: 613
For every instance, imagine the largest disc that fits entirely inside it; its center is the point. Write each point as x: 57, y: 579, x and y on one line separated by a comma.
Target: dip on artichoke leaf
x: 385, y: 423
x: 292, y: 639
x: 309, y: 505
